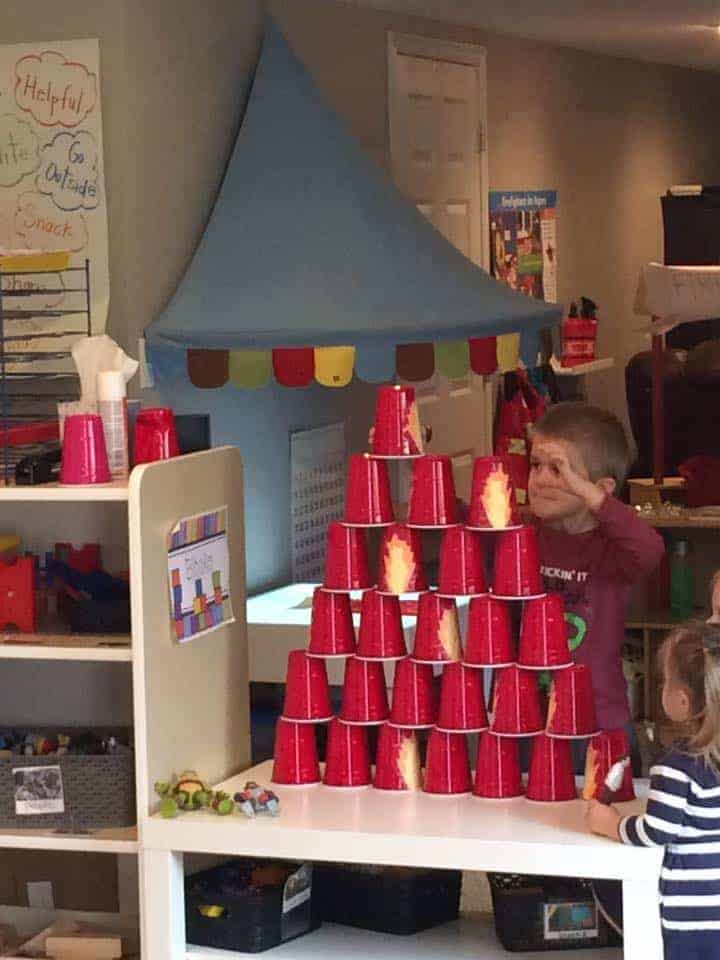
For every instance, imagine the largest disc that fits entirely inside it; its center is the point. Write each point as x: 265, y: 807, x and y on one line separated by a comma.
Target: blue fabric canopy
x: 310, y: 244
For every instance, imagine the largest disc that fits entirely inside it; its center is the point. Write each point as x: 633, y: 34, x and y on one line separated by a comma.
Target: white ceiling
x: 681, y: 32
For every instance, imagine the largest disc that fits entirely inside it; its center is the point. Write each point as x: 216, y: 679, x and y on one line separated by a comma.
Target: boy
x: 592, y: 547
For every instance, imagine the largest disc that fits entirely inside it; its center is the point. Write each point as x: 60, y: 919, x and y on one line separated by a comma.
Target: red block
x: 17, y: 595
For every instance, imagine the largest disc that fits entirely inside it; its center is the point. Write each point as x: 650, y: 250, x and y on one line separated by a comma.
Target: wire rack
x: 42, y: 312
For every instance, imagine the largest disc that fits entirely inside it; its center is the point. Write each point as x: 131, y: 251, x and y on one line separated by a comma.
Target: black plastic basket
x: 250, y: 905
x: 399, y: 900
x: 534, y: 913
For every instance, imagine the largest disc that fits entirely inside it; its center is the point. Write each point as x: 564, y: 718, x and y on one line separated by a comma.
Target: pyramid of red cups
x: 489, y: 644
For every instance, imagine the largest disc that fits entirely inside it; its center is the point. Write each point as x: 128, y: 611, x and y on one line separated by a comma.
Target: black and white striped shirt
x: 683, y: 815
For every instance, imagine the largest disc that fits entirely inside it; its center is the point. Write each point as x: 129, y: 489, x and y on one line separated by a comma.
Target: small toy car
x: 254, y: 799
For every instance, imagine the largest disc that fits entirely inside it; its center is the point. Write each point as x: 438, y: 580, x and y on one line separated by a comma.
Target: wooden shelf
x: 688, y: 521
x: 112, y: 648
x: 593, y: 366
x: 108, y: 840
x: 116, y: 491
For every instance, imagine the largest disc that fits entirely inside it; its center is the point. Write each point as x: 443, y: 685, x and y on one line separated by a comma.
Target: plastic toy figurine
x: 254, y: 799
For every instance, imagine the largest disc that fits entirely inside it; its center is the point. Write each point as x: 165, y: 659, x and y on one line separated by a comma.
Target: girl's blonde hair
x: 691, y: 656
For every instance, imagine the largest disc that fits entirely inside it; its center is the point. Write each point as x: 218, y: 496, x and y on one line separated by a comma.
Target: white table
x: 367, y: 826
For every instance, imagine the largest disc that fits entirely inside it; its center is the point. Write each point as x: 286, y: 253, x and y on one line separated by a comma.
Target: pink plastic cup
x: 437, y: 635
x: 401, y: 561
x: 543, y: 635
x: 397, y: 426
x: 493, y: 505
x: 414, y: 703
x: 571, y: 712
x: 517, y: 565
x: 397, y: 765
x: 517, y: 711
x: 331, y: 629
x: 348, y: 757
x: 489, y: 640
x: 381, y: 631
x: 155, y: 435
x: 368, y: 502
x: 497, y: 771
x: 84, y: 455
x: 462, y: 564
x: 346, y: 562
x: 364, y: 692
x: 447, y: 767
x: 296, y: 760
x: 604, y: 750
x: 551, y: 778
x: 433, y: 501
x: 462, y: 705
x: 307, y: 695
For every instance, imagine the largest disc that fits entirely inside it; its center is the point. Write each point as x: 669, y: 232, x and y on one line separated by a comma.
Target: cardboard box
x: 73, y: 881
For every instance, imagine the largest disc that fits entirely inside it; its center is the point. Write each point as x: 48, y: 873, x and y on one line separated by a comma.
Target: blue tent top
x: 310, y: 244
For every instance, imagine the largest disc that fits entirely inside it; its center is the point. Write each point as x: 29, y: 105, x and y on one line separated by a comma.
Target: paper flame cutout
x: 399, y: 564
x: 496, y: 499
x: 408, y: 762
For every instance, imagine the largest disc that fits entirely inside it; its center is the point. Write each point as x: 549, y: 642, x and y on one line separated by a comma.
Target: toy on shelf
x: 254, y: 799
x: 17, y: 594
x: 189, y: 793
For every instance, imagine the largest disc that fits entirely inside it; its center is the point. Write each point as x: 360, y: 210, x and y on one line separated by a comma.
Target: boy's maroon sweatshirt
x: 594, y: 572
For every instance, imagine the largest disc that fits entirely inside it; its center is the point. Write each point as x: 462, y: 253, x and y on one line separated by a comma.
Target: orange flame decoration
x: 592, y: 773
x: 496, y: 498
x: 399, y: 564
x: 450, y: 634
x: 412, y: 427
x: 408, y: 762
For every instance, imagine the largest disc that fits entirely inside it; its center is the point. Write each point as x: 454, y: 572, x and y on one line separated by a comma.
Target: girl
x: 683, y: 811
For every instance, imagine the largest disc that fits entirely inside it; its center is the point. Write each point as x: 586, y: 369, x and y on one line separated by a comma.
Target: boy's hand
x: 602, y: 820
x: 570, y: 480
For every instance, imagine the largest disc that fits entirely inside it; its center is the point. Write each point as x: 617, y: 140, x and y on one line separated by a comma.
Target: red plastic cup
x: 401, y: 561
x: 346, y: 562
x: 551, y: 776
x: 397, y: 765
x: 447, y: 766
x: 437, y: 634
x: 155, y: 435
x: 364, y: 692
x: 368, y: 502
x: 331, y: 628
x: 462, y: 705
x: 517, y: 565
x: 296, y: 760
x: 414, y: 703
x: 571, y: 712
x: 381, y: 631
x: 433, y: 501
x: 397, y: 425
x: 347, y: 761
x: 493, y: 505
x: 497, y: 771
x: 516, y: 709
x: 543, y: 635
x: 307, y: 695
x: 603, y: 751
x: 462, y: 564
x: 84, y: 454
x: 489, y: 640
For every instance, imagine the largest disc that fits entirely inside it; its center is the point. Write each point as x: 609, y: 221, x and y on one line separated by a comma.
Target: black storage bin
x: 547, y: 913
x: 400, y: 900
x: 250, y: 905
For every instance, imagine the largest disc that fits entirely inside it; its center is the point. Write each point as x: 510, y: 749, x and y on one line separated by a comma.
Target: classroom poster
x: 52, y: 191
x: 523, y: 241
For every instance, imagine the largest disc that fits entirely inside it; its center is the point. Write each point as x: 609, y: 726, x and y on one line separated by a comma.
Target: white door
x: 437, y: 116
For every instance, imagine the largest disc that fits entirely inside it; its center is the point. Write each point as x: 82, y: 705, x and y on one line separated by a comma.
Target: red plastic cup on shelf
x: 397, y: 425
x: 489, y: 641
x: 346, y: 562
x: 84, y: 454
x: 381, y: 632
x: 397, y: 765
x: 571, y: 711
x: 401, y: 567
x: 433, y: 501
x: 447, y: 766
x: 493, y: 505
x: 604, y: 750
x: 296, y: 759
x: 462, y: 564
x: 155, y: 435
x: 543, y: 635
x: 462, y: 704
x: 368, y: 502
x: 517, y: 565
x: 497, y: 770
x: 516, y: 707
x: 331, y: 628
x: 364, y: 692
x: 347, y: 762
x: 437, y: 634
x: 307, y: 695
x: 414, y: 703
x: 551, y: 778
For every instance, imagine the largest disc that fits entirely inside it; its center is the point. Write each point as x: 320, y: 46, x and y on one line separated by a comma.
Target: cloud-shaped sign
x: 43, y: 227
x: 56, y: 91
x: 69, y: 171
x: 19, y: 150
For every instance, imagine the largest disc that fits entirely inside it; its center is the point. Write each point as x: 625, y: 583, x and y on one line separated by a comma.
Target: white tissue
x: 92, y: 355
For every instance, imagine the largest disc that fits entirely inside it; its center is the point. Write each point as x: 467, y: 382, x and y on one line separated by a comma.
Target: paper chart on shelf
x: 52, y: 191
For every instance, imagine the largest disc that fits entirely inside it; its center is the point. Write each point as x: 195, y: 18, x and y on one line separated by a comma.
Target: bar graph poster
x: 523, y: 242
x: 52, y: 191
x: 199, y: 574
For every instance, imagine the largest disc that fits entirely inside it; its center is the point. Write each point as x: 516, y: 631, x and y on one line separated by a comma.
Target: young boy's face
x: 548, y: 497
